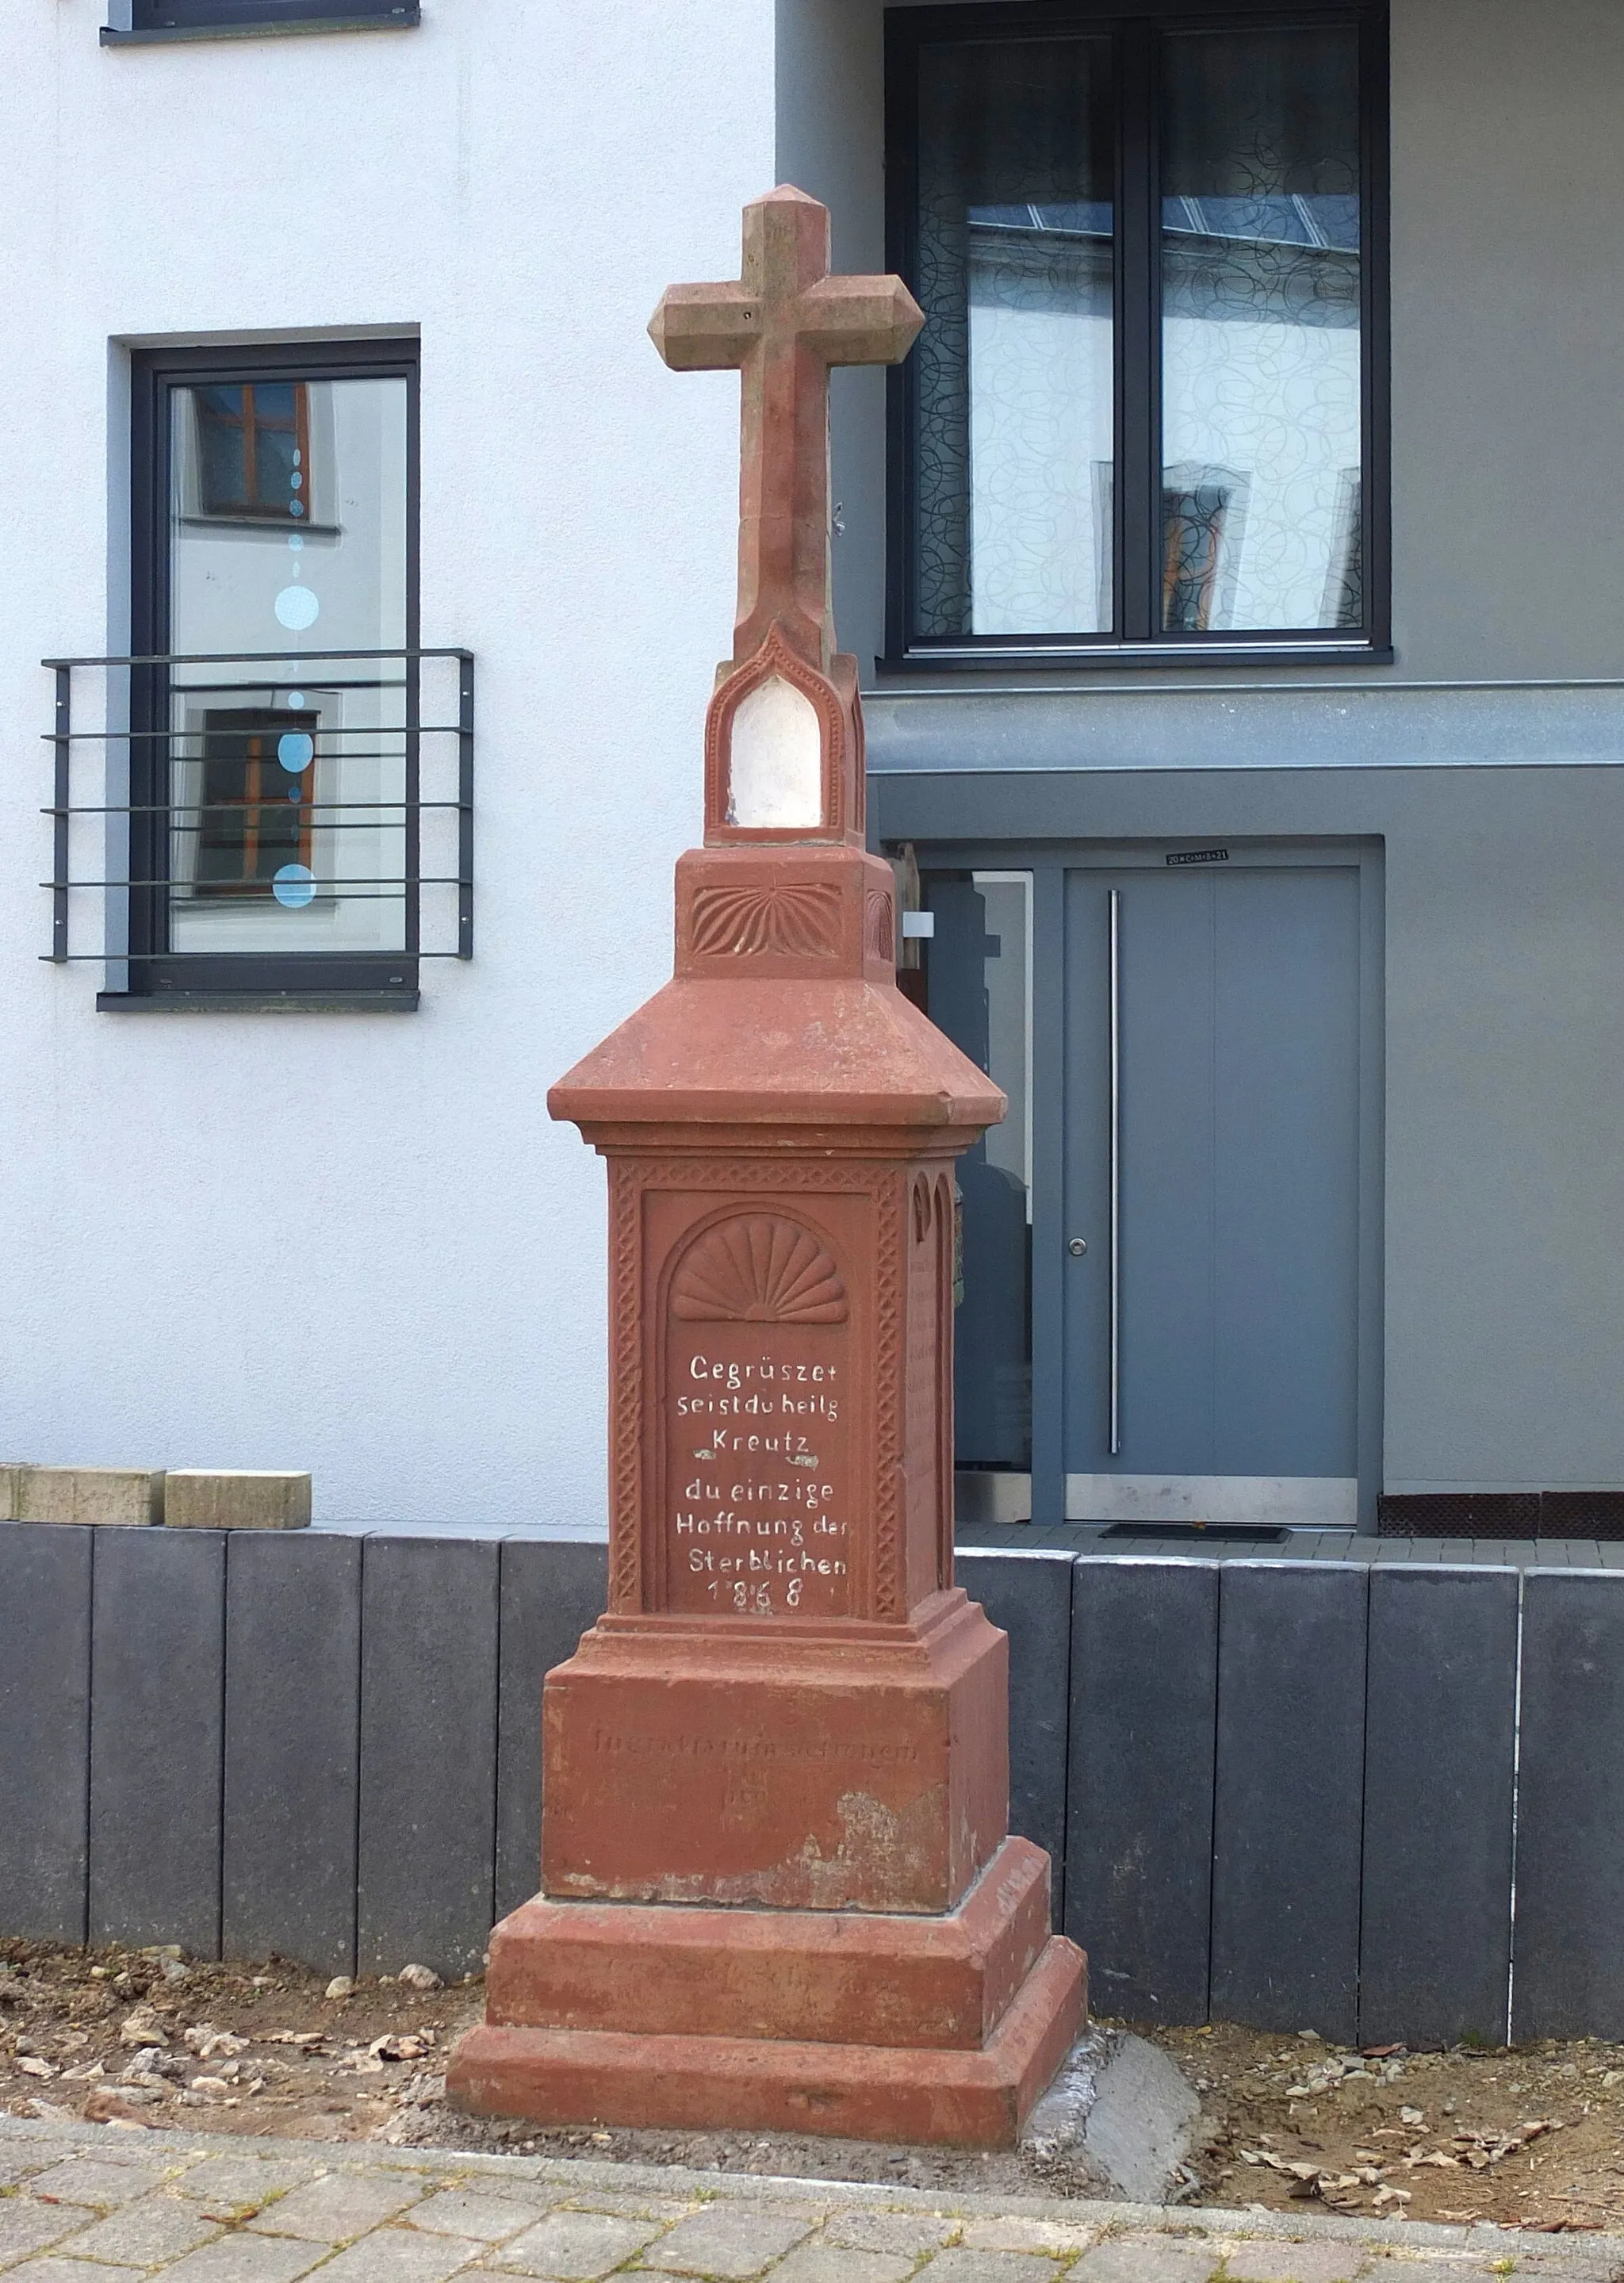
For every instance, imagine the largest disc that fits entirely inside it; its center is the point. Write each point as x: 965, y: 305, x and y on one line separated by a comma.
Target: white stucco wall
x: 357, y: 1243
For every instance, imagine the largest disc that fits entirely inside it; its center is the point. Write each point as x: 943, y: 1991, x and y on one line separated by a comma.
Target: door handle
x: 1115, y: 904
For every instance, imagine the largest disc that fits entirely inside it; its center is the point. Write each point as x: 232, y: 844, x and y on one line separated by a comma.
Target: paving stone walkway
x: 89, y: 2204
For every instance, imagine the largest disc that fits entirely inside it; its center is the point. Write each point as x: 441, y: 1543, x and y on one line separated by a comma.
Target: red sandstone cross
x: 783, y: 322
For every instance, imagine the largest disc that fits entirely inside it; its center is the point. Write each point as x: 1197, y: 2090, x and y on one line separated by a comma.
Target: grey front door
x: 1212, y: 1078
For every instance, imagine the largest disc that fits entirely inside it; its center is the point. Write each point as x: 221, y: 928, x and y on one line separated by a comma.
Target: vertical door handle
x: 1115, y: 902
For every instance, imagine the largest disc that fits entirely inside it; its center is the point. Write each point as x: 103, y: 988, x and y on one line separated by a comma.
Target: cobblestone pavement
x: 88, y: 2204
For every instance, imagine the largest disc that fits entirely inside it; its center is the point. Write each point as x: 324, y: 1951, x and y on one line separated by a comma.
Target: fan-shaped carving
x: 757, y: 1269
x: 879, y: 928
x: 798, y: 916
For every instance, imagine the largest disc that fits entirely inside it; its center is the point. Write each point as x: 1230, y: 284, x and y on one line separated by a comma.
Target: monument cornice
x: 801, y: 1054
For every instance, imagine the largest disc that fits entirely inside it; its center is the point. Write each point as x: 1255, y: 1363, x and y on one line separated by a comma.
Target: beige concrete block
x: 105, y: 1495
x: 12, y: 1472
x: 206, y: 1497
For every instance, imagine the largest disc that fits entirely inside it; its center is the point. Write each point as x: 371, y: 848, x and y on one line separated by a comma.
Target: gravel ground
x: 1530, y: 2138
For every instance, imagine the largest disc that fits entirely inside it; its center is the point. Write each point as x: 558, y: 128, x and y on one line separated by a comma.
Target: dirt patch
x: 1533, y: 2136
x: 1530, y: 2137
x: 262, y: 2049
x: 152, y: 2037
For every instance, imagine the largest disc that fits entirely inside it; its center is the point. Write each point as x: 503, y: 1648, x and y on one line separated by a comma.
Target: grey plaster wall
x: 1508, y: 335
x: 1507, y: 319
x: 1503, y: 1080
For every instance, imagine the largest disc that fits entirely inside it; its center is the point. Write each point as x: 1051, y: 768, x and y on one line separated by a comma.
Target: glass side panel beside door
x: 979, y: 968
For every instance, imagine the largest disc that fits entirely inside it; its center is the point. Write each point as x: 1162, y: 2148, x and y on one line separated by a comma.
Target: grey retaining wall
x: 1287, y: 1793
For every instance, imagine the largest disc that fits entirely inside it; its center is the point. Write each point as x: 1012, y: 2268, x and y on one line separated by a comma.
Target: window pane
x: 1261, y: 327
x: 222, y: 465
x: 1013, y: 369
x: 287, y: 534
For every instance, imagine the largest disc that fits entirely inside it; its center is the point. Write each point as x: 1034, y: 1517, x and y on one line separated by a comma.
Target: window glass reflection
x: 1260, y: 331
x: 287, y: 536
x: 1013, y: 369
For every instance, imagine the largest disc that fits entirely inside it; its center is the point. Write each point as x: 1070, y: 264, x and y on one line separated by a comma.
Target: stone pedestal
x: 779, y: 1887
x: 789, y: 1708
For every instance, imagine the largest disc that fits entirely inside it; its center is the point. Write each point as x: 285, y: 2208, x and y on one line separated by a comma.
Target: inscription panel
x: 757, y: 1507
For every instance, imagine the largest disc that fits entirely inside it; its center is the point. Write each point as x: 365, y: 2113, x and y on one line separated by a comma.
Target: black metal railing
x: 214, y: 765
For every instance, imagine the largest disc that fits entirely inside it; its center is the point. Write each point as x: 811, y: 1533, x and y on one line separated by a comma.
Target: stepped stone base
x: 855, y: 2025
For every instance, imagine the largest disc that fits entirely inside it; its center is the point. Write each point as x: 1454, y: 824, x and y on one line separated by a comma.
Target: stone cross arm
x: 844, y: 320
x: 782, y: 323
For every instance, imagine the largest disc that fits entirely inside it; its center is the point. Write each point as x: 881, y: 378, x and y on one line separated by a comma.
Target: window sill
x: 257, y: 1002
x: 396, y: 19
x: 1129, y: 658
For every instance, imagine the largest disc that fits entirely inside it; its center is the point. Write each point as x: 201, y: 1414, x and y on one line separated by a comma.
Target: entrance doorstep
x: 1258, y: 1501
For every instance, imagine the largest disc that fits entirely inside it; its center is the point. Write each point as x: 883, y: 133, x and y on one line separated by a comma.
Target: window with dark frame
x: 1147, y: 413
x: 180, y: 15
x: 273, y: 774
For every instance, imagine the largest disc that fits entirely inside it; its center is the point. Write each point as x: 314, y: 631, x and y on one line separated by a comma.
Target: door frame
x: 1049, y: 861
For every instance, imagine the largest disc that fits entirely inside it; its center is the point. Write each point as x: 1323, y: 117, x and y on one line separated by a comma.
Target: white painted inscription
x: 757, y: 1475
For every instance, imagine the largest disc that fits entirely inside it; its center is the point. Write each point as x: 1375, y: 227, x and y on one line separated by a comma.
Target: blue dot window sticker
x: 295, y: 750
x: 297, y: 608
x: 294, y: 886
x: 295, y: 701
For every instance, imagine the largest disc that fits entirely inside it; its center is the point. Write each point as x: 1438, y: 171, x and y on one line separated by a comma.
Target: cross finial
x: 783, y: 322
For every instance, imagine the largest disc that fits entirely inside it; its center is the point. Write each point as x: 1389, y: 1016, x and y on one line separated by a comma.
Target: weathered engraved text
x: 758, y: 1414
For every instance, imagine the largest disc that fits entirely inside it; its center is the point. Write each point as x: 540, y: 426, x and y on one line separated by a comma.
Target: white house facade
x: 1232, y: 573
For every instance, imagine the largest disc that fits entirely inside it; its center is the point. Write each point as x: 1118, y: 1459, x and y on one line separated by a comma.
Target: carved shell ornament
x: 879, y: 928
x: 757, y: 1269
x: 798, y: 916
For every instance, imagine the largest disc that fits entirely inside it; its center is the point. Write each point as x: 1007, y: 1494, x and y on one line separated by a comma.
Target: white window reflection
x: 288, y: 536
x: 1260, y: 331
x: 1014, y: 368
